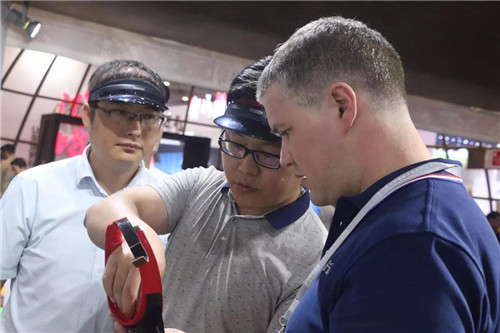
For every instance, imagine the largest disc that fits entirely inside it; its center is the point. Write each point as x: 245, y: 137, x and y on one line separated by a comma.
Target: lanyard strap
x: 413, y: 175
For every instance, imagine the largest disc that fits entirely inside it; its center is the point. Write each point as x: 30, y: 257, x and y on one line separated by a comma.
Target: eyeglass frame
x: 131, y: 116
x: 247, y: 151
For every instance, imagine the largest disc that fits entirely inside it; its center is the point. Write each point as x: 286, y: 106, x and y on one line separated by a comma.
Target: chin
x: 129, y: 159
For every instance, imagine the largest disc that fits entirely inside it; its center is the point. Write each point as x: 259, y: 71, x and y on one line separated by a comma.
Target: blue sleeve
x: 413, y: 283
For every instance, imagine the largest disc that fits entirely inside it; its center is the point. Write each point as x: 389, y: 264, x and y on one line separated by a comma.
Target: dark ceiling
x: 451, y: 50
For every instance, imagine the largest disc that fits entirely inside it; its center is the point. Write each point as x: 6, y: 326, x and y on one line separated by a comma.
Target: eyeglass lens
x: 148, y: 120
x: 262, y: 158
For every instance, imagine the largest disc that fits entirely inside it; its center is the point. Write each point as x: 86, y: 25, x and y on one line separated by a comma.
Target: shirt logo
x: 328, y: 267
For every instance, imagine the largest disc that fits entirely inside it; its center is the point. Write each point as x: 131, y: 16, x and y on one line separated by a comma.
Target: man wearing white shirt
x: 55, y: 270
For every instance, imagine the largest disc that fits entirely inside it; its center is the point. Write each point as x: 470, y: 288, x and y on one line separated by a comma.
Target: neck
x: 261, y: 210
x: 393, y: 147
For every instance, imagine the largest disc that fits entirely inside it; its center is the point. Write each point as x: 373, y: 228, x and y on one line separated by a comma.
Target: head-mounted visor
x: 130, y: 91
x: 248, y: 120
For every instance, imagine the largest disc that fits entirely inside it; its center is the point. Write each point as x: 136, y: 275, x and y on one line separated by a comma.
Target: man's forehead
x: 274, y: 101
x: 273, y: 94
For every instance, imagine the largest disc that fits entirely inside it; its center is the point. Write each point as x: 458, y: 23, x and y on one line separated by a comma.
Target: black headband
x: 247, y: 119
x: 130, y: 91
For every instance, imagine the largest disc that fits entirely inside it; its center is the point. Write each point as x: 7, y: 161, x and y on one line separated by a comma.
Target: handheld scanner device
x: 148, y: 315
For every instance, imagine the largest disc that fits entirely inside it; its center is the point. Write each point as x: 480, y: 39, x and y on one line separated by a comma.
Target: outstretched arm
x: 143, y: 207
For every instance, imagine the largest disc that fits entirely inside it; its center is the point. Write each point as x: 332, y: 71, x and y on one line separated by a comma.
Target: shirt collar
x: 348, y: 207
x: 84, y: 171
x: 286, y: 215
x: 360, y: 200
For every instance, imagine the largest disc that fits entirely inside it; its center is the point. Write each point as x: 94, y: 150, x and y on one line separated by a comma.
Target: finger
x: 108, y: 278
x: 130, y: 292
x: 118, y: 284
x: 123, y: 258
x: 119, y: 328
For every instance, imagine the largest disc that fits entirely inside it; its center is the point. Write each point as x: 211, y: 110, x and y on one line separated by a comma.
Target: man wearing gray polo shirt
x: 242, y: 241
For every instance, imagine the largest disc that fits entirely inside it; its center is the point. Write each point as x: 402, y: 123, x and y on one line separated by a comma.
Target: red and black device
x: 148, y: 316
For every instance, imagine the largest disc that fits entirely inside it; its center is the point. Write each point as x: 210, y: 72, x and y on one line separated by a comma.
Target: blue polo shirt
x: 424, y: 260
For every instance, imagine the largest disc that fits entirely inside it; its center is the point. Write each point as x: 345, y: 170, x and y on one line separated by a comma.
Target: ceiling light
x: 21, y: 20
x: 33, y: 28
x: 185, y: 98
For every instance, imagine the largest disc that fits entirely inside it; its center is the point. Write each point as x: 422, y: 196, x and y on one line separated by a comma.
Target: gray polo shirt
x: 227, y: 272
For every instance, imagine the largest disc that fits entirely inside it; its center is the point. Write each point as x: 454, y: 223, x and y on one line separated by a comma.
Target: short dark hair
x: 19, y: 161
x: 493, y: 215
x: 126, y: 69
x: 8, y: 148
x: 244, y: 85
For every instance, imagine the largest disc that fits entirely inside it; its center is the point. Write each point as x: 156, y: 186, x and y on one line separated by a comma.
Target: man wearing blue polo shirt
x: 242, y: 241
x: 408, y: 249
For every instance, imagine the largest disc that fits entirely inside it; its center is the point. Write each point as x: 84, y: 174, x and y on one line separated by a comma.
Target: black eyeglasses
x: 122, y: 117
x: 236, y: 150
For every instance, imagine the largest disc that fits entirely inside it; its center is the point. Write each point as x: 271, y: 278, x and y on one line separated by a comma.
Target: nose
x: 247, y: 165
x: 286, y: 158
x: 134, y: 127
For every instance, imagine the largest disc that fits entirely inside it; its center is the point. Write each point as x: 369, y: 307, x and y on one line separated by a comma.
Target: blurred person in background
x: 18, y: 165
x: 494, y: 219
x: 8, y: 154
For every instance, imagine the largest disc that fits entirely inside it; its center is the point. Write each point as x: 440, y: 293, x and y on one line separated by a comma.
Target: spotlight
x: 21, y: 20
x: 33, y: 28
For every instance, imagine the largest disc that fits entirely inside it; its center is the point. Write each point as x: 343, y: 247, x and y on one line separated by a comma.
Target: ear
x: 86, y: 118
x: 344, y: 98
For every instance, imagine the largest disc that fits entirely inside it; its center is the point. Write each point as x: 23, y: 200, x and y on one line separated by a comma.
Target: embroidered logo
x: 328, y: 267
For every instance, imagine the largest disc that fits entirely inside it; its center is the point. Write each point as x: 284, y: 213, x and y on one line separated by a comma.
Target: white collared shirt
x: 45, y: 249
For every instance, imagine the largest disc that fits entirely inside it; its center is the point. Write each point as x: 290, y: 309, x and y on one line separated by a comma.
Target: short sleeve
x: 411, y: 283
x: 180, y: 190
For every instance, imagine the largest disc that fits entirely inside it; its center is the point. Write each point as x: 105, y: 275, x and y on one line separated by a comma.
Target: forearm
x: 141, y: 205
x: 101, y: 214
